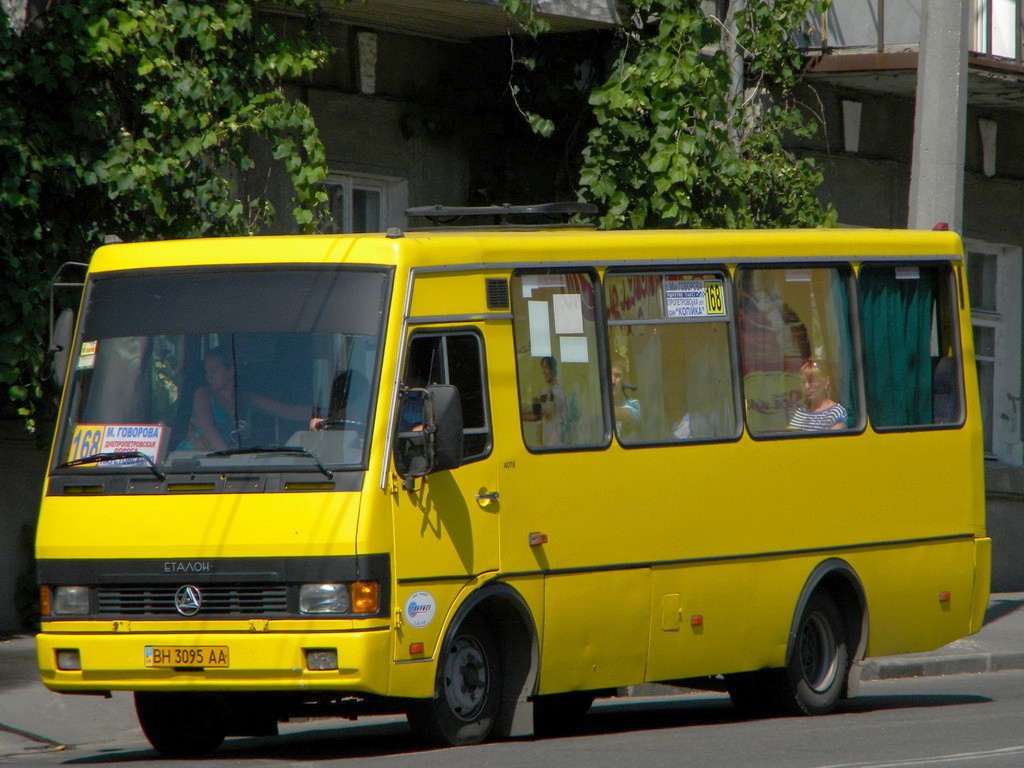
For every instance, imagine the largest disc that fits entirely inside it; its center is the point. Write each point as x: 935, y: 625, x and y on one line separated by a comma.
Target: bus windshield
x: 208, y: 369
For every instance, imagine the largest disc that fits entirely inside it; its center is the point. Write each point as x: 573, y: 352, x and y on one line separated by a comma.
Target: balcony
x: 469, y: 19
x: 872, y: 45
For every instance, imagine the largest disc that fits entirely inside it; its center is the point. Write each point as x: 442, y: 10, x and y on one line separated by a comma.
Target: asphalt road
x: 971, y: 719
x: 965, y: 698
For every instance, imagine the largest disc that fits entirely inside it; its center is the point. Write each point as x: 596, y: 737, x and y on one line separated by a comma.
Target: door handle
x: 492, y: 496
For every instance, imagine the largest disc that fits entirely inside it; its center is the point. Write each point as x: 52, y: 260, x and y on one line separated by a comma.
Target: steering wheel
x: 326, y: 424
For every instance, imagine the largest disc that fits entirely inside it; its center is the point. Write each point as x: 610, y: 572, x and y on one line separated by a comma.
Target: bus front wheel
x: 819, y: 660
x: 180, y: 724
x: 465, y: 705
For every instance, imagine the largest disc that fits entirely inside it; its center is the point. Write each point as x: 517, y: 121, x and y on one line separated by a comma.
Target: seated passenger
x: 549, y: 407
x: 219, y: 420
x: 820, y: 411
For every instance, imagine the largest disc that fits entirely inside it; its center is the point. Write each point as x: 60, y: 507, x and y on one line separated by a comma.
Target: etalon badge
x: 188, y: 600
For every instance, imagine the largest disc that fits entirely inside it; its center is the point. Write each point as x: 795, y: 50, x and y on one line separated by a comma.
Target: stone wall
x: 1004, y: 491
x: 24, y: 466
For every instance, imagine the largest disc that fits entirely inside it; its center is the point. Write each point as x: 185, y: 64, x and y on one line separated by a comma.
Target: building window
x: 995, y: 27
x: 994, y: 280
x: 356, y: 204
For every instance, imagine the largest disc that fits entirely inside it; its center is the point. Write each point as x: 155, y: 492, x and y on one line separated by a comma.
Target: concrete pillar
x: 732, y: 50
x: 940, y: 116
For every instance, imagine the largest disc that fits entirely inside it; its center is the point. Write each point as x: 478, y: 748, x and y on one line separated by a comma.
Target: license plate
x: 187, y: 656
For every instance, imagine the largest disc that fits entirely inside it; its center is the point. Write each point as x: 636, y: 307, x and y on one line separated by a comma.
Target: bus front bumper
x: 210, y: 661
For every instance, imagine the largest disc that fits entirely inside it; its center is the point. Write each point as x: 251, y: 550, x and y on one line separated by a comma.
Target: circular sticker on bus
x: 420, y: 609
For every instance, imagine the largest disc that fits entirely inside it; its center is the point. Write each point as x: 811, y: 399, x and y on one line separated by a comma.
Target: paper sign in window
x: 540, y: 329
x: 87, y: 355
x: 531, y: 283
x: 90, y: 439
x: 568, y: 313
x: 573, y: 349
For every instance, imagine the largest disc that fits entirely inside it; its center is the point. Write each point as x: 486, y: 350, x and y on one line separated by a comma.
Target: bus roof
x: 494, y: 248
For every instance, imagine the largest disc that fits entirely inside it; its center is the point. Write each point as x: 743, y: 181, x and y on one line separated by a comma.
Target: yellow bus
x: 483, y: 476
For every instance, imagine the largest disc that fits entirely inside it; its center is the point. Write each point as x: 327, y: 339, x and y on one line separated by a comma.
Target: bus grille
x: 220, y: 599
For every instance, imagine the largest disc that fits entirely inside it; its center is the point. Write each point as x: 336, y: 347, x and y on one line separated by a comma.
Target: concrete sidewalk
x: 34, y: 719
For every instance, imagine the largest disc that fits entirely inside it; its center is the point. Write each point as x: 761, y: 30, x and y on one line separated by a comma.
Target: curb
x: 932, y: 666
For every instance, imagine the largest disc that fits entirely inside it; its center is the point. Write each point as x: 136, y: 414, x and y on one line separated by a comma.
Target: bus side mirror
x: 62, y: 325
x: 444, y: 409
x: 60, y: 345
x: 429, y: 436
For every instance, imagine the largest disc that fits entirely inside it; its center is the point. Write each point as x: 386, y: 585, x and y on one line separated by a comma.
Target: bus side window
x: 672, y: 364
x: 796, y: 349
x: 561, y: 395
x: 913, y: 375
x: 455, y: 358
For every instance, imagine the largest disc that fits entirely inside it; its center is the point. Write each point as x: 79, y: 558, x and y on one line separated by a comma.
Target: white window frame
x: 1005, y: 321
x: 393, y: 193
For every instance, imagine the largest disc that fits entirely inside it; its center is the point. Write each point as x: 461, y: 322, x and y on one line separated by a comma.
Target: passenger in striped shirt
x: 820, y: 411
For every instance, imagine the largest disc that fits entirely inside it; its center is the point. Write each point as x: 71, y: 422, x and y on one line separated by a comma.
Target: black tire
x: 820, y: 659
x: 469, y: 682
x: 181, y: 724
x: 560, y: 714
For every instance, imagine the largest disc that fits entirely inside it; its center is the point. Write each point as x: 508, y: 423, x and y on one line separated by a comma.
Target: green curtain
x: 897, y: 318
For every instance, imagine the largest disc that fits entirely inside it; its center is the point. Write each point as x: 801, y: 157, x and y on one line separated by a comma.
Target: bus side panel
x: 736, y: 616
x: 595, y: 630
x: 414, y: 676
x: 703, y: 621
x: 906, y: 589
x: 425, y: 610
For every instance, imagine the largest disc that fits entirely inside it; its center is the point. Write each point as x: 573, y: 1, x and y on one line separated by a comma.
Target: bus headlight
x: 70, y: 601
x: 323, y: 598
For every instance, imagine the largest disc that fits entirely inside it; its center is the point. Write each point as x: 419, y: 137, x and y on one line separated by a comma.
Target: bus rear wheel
x: 465, y: 705
x: 820, y: 658
x: 181, y: 724
x: 813, y: 678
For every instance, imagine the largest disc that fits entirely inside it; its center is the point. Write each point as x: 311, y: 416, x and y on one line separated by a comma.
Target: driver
x: 350, y: 399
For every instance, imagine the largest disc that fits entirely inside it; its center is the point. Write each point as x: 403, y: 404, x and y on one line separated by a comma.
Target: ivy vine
x: 136, y: 119
x: 678, y: 142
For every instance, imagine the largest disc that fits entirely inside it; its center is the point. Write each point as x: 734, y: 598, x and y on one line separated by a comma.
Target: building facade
x: 862, y: 83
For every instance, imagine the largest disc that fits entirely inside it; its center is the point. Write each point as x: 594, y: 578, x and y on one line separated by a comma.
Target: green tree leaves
x: 138, y: 119
x: 674, y: 146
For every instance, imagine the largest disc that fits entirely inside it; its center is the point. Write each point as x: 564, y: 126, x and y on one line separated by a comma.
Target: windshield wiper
x: 283, y: 450
x: 99, y: 458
